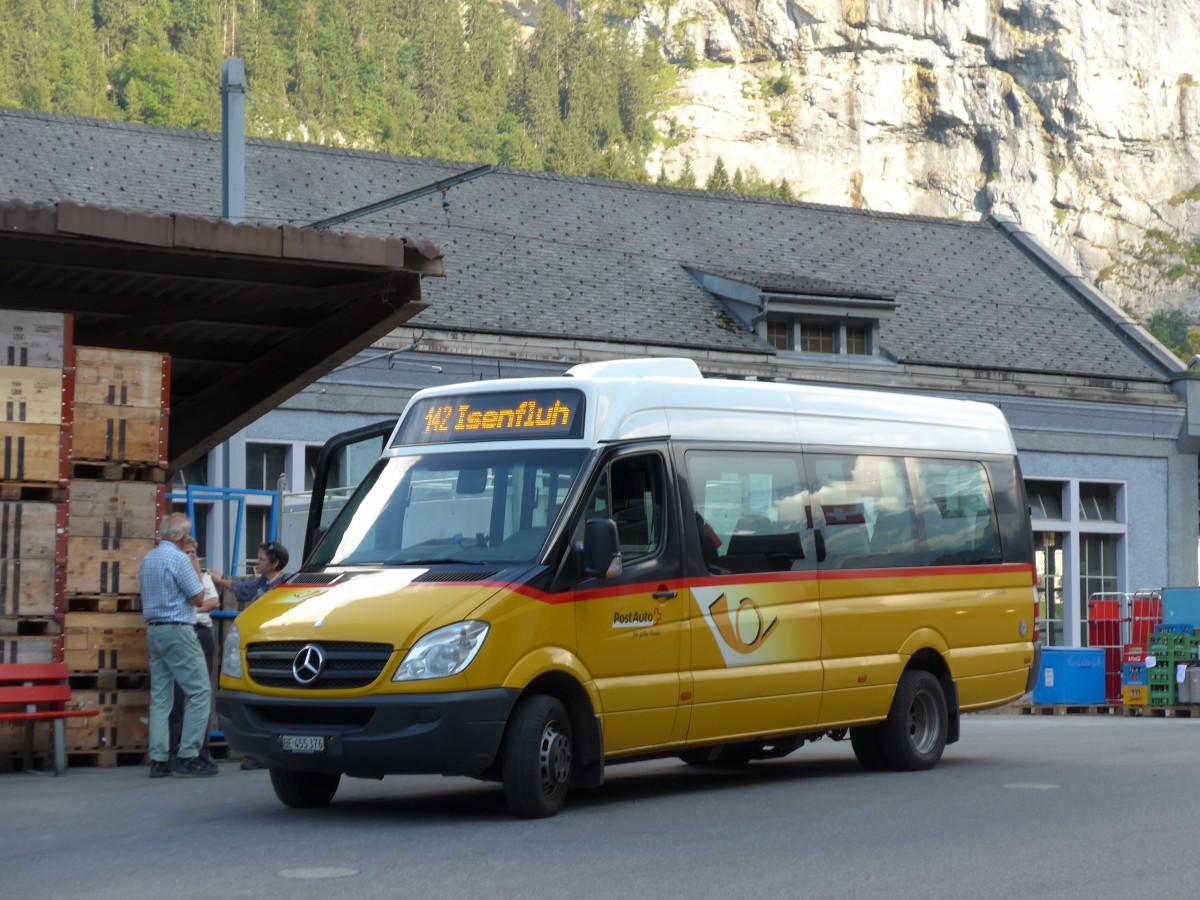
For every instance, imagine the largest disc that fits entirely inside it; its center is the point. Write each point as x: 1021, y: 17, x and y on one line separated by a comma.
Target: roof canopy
x: 249, y: 314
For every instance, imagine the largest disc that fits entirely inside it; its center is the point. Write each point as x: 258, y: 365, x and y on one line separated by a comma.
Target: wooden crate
x: 40, y: 339
x: 116, y: 510
x: 28, y: 588
x: 30, y: 650
x: 33, y: 453
x: 130, y: 434
x: 123, y: 722
x: 104, y: 565
x: 105, y: 641
x: 136, y: 378
x: 30, y: 530
x: 31, y: 395
x: 32, y: 545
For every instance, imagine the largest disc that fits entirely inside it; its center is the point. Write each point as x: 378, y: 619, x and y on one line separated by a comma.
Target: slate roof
x: 537, y: 254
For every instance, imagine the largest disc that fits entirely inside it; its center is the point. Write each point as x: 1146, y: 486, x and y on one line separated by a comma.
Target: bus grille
x: 347, y: 665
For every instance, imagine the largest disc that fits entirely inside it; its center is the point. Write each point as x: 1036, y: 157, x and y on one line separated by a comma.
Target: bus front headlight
x: 443, y: 652
x: 231, y: 654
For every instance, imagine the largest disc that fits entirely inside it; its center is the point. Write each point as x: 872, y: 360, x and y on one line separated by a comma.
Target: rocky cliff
x: 1079, y: 118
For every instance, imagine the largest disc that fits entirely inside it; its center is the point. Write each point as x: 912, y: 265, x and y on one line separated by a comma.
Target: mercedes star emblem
x: 308, y: 664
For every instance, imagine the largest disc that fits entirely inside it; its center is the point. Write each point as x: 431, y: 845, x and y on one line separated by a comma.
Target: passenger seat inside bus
x: 756, y: 545
x: 846, y: 541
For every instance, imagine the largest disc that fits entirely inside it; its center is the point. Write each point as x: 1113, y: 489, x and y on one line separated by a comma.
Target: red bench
x: 43, y: 690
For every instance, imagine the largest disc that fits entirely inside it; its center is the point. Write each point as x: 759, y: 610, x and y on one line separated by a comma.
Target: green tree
x: 443, y: 78
x: 1171, y: 329
x: 718, y: 178
x: 687, y: 177
x: 536, y: 90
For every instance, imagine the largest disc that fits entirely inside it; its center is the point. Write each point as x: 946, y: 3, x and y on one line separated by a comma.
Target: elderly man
x: 170, y: 589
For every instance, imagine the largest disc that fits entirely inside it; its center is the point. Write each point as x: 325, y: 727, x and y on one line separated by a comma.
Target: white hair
x: 176, y: 527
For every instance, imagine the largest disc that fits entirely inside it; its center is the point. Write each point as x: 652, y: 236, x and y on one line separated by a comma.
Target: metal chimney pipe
x: 233, y: 140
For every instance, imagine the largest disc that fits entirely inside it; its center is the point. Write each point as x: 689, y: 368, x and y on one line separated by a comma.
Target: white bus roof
x: 644, y: 398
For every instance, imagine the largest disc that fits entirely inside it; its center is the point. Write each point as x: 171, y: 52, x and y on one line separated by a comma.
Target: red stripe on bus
x: 649, y: 587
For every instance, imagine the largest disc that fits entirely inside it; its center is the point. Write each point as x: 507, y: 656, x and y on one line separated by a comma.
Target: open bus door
x: 342, y: 464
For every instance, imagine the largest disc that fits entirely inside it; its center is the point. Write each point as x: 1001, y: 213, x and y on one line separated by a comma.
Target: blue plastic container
x: 1180, y: 604
x: 1071, y: 676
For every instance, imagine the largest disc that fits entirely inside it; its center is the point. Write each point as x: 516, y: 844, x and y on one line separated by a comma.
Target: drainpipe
x: 233, y: 140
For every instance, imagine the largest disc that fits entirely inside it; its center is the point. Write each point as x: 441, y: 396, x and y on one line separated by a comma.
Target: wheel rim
x: 923, y: 723
x: 554, y: 758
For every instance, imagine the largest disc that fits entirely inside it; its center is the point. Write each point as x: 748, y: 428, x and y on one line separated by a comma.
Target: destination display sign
x: 502, y: 416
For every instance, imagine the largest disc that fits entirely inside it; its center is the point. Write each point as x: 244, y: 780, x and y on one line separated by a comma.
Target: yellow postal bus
x: 542, y: 577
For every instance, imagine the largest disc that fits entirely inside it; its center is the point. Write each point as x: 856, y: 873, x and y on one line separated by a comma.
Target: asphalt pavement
x: 1022, y: 807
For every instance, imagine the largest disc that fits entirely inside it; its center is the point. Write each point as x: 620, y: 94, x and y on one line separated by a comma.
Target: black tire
x: 303, y: 790
x: 914, y: 734
x: 539, y: 756
x: 868, y: 747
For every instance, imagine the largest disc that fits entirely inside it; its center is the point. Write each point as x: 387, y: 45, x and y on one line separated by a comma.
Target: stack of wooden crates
x: 82, y: 494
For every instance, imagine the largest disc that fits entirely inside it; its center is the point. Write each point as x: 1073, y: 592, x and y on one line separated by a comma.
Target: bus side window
x: 751, y: 511
x: 955, y: 503
x: 867, y: 512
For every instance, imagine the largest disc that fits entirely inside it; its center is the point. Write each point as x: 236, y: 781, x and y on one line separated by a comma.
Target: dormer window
x: 801, y: 335
x: 803, y: 316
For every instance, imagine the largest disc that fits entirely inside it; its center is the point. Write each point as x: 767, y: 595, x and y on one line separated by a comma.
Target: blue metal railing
x: 231, y: 495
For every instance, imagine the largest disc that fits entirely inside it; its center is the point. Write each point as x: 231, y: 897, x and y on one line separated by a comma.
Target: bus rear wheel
x: 538, y: 758
x: 913, y: 735
x: 304, y: 790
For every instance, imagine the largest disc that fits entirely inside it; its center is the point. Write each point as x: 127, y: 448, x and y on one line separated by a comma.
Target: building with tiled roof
x: 544, y: 271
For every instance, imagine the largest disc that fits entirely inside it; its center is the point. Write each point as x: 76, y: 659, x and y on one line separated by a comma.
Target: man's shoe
x: 251, y: 763
x: 195, y: 767
x: 160, y: 769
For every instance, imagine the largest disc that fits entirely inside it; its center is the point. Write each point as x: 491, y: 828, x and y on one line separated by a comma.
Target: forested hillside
x: 433, y: 78
x: 1081, y: 123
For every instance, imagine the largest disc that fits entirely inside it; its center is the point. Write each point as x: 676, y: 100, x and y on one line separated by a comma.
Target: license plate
x: 302, y: 743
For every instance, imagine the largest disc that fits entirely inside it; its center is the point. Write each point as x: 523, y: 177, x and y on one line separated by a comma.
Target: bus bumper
x: 369, y: 737
x: 1035, y: 669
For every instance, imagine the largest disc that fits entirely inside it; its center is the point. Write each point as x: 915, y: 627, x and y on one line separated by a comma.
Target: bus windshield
x: 480, y: 507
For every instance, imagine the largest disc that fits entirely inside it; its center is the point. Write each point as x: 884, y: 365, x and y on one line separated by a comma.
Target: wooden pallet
x: 109, y: 680
x: 1168, y: 712
x: 30, y: 627
x: 1068, y: 709
x: 1112, y: 709
x: 108, y: 758
x: 43, y: 492
x: 108, y: 603
x: 107, y: 470
x: 39, y: 762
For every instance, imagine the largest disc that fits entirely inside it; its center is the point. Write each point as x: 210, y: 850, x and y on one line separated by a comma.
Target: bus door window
x: 751, y: 511
x: 866, y: 511
x: 631, y: 493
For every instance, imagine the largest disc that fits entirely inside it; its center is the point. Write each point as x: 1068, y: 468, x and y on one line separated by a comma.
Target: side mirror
x: 601, y: 548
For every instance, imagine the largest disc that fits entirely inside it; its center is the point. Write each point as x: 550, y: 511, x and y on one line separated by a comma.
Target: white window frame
x: 1072, y: 527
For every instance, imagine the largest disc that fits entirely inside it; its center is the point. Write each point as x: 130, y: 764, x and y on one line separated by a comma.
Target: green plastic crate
x: 1164, y: 695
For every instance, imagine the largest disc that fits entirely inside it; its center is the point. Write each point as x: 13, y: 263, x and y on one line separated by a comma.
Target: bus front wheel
x: 304, y: 790
x: 538, y: 756
x: 913, y: 735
